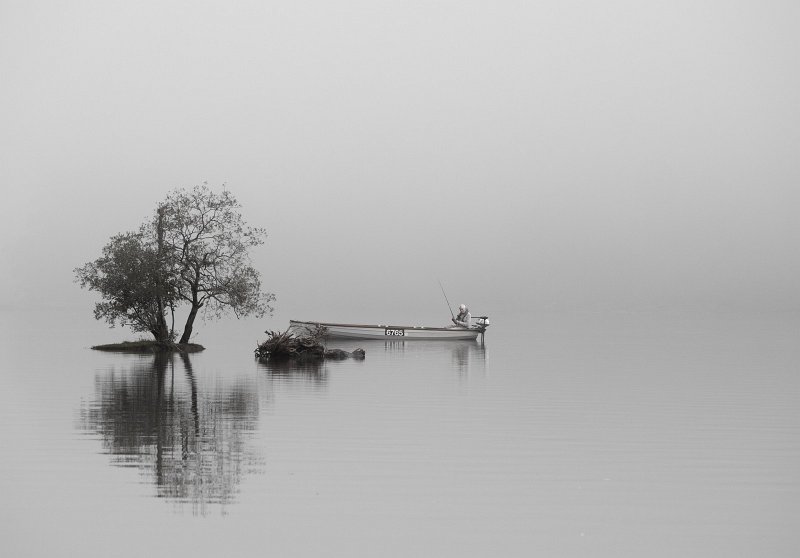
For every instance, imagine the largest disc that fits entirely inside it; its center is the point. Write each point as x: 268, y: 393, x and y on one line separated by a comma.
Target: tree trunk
x: 162, y: 333
x: 196, y: 304
x: 160, y: 330
x: 187, y: 329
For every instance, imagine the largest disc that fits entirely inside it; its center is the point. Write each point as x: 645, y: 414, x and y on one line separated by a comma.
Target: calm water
x: 568, y: 435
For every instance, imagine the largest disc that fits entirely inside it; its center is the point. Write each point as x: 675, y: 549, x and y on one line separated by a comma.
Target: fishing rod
x: 448, y: 302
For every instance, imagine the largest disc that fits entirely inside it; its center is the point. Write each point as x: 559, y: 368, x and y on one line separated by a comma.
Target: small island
x: 149, y: 346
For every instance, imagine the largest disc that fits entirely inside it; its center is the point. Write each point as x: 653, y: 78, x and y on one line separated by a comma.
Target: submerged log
x: 284, y: 345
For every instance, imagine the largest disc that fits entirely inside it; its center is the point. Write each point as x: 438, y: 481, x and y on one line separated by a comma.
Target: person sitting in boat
x: 464, y: 319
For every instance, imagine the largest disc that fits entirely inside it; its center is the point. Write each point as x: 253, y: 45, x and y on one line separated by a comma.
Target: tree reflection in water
x: 194, y: 445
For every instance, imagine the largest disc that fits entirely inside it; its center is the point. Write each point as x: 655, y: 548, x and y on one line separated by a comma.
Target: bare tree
x: 209, y: 242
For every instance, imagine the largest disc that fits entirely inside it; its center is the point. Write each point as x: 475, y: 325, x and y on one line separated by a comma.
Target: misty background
x: 534, y: 156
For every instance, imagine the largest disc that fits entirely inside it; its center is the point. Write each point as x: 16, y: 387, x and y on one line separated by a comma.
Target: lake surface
x: 613, y: 435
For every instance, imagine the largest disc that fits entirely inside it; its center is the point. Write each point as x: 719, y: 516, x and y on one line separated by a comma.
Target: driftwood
x: 284, y: 345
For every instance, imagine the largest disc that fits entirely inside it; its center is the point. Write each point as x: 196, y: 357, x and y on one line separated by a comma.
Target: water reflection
x: 313, y: 373
x: 469, y: 357
x: 192, y: 444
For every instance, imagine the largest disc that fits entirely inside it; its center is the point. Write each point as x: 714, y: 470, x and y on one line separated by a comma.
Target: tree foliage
x: 129, y: 278
x: 194, y: 251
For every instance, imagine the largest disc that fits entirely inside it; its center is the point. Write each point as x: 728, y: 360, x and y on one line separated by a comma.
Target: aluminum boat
x: 397, y: 332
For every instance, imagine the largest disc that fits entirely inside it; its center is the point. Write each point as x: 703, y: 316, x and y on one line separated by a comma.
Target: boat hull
x: 388, y: 332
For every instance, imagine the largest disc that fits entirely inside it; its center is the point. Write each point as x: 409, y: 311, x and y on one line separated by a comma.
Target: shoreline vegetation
x: 148, y: 346
x: 285, y: 346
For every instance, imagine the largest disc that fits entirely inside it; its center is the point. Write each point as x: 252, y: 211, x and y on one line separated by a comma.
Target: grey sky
x: 553, y: 154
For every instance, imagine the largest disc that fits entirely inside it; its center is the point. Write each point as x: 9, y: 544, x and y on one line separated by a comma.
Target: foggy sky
x: 538, y: 155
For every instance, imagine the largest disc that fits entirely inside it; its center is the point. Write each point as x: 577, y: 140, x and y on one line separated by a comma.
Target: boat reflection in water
x: 191, y: 443
x: 470, y: 357
x: 466, y: 356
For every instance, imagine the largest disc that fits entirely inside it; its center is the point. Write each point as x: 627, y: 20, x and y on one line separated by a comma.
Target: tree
x: 129, y: 276
x: 194, y: 250
x: 209, y: 246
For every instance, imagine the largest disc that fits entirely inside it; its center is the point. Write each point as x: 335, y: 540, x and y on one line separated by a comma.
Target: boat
x: 393, y: 332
